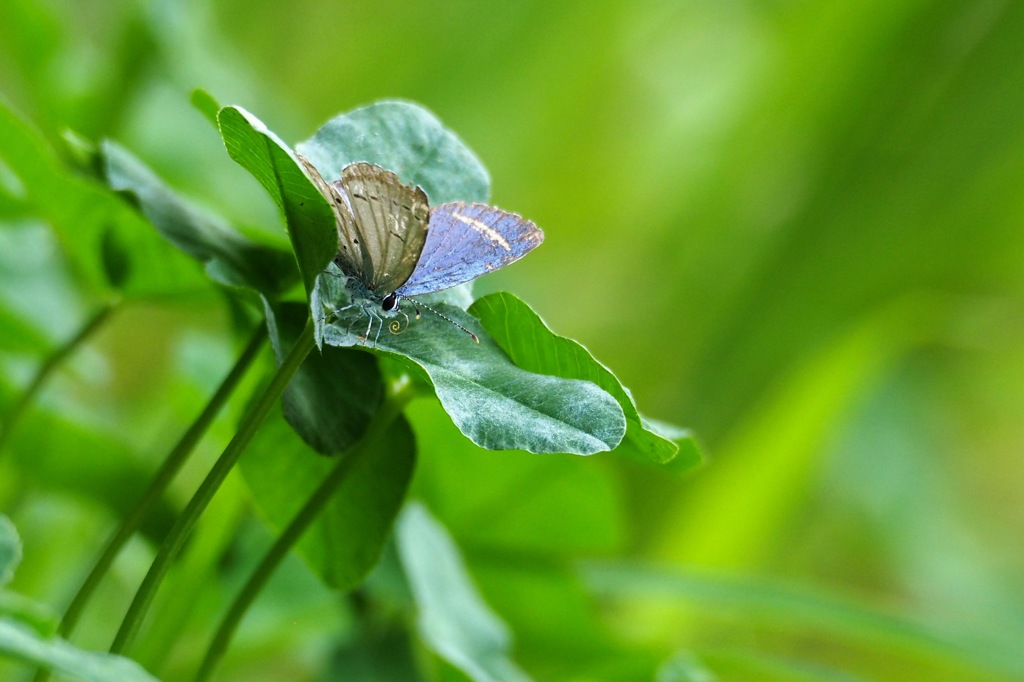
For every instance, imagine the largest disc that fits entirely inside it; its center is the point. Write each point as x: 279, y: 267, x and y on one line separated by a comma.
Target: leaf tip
x: 205, y: 103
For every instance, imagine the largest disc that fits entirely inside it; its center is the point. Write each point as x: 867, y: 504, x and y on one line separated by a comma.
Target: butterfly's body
x: 393, y: 245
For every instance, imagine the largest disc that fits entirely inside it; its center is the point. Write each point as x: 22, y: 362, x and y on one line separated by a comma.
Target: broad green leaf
x: 453, y: 619
x: 516, y: 503
x: 496, y: 404
x: 21, y: 642
x: 534, y: 347
x: 406, y: 139
x: 83, y: 213
x: 334, y: 393
x: 10, y: 550
x: 307, y: 214
x: 229, y: 257
x: 346, y: 542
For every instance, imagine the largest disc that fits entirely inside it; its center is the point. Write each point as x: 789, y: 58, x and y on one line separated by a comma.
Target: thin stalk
x: 190, y: 516
x: 293, y: 533
x: 168, y: 470
x: 50, y: 365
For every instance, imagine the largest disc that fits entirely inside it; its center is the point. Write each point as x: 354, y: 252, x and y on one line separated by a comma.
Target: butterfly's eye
x: 389, y: 303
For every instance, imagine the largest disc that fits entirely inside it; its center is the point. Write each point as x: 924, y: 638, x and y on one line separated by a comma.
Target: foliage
x: 29, y: 639
x: 336, y: 400
x: 794, y: 228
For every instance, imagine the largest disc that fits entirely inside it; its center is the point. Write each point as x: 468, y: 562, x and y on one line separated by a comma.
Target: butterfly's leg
x: 348, y: 329
x: 336, y: 312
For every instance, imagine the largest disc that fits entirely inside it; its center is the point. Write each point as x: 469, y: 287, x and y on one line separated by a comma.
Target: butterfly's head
x: 390, y: 303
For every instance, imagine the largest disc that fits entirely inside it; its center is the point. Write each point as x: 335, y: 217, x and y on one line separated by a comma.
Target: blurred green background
x: 794, y: 227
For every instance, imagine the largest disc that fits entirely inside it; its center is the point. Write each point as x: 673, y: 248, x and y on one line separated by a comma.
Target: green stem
x: 174, y: 461
x: 190, y: 516
x: 300, y: 523
x: 50, y: 365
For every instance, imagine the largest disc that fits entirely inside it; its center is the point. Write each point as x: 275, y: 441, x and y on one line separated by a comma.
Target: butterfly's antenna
x: 417, y: 304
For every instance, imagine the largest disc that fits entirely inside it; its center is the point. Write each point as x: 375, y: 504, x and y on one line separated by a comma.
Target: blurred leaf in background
x: 794, y: 227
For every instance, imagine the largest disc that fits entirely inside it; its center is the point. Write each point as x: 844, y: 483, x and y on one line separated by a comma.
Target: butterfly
x: 392, y: 244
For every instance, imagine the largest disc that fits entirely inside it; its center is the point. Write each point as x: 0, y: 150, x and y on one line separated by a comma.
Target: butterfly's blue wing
x: 465, y: 241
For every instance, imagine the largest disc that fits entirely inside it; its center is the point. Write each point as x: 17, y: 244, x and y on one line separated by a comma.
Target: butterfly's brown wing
x: 351, y: 257
x: 384, y: 226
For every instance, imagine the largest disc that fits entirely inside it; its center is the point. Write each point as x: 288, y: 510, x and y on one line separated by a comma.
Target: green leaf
x: 691, y: 454
x: 229, y: 257
x: 406, y: 139
x: 453, y: 619
x: 28, y: 612
x: 496, y: 404
x: 10, y: 550
x: 83, y: 213
x: 206, y: 104
x: 307, y: 214
x: 334, y: 393
x: 533, y: 346
x: 346, y: 541
x: 21, y: 642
